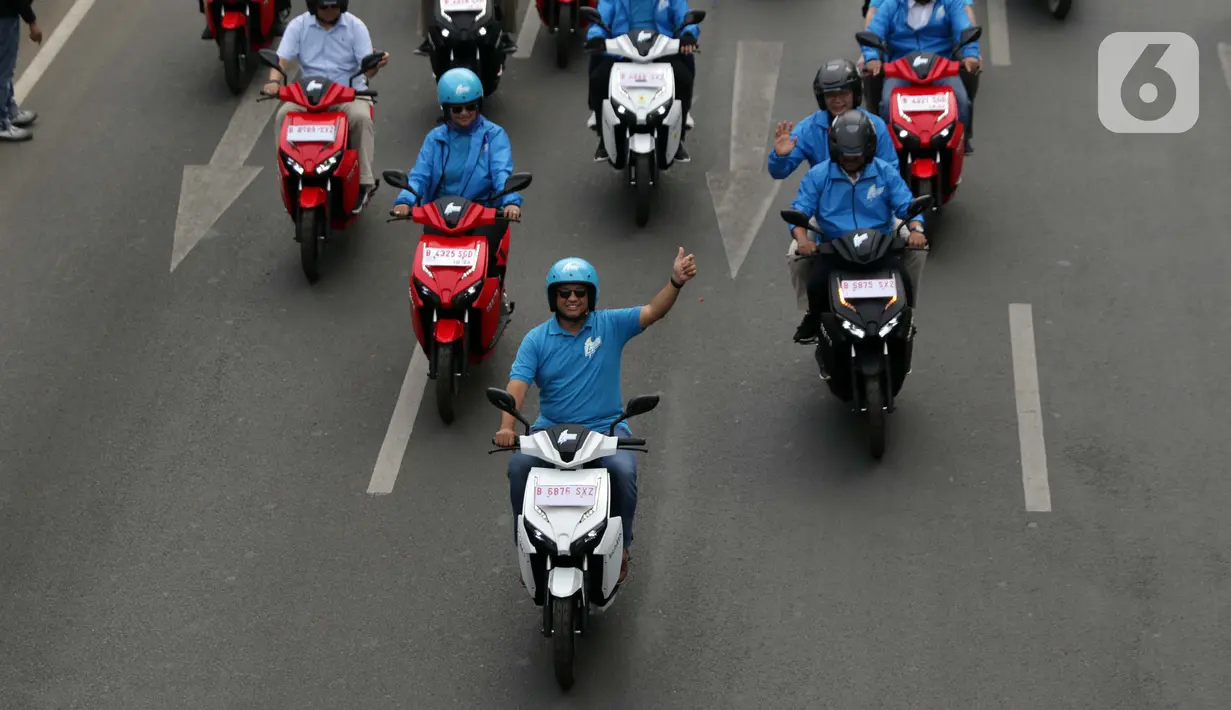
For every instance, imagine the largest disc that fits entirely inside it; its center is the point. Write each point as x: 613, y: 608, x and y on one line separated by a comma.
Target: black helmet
x: 837, y: 75
x: 342, y: 5
x: 852, y: 134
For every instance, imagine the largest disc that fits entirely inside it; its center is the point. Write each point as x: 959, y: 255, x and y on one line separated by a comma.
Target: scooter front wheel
x: 307, y: 231
x: 447, y: 385
x: 641, y: 180
x: 875, y: 400
x: 1059, y: 8
x: 232, y: 61
x: 564, y: 33
x: 563, y: 640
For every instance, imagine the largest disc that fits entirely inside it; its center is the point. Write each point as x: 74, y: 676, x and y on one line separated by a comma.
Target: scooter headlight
x: 588, y: 542
x: 291, y: 165
x: 539, y: 539
x: 853, y: 329
x: 893, y: 323
x: 465, y: 298
x: 329, y: 164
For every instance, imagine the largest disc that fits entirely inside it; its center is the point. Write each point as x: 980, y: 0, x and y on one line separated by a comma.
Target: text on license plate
x: 445, y: 256
x: 571, y: 495
x: 869, y: 288
x: 312, y: 133
x: 927, y: 102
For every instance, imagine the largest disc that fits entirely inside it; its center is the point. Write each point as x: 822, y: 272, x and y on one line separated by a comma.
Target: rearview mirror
x: 692, y: 17
x: 515, y: 183
x: 369, y: 62
x: 502, y: 400
x: 396, y: 179
x: 270, y: 59
x: 870, y: 39
x: 795, y: 218
x: 592, y: 15
x: 640, y: 405
x: 970, y: 34
x: 918, y: 206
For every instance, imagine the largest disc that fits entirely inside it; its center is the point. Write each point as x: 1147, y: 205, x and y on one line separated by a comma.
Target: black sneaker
x: 681, y: 154
x: 425, y: 49
x: 807, y: 330
x: 600, y: 153
x: 507, y: 44
x: 970, y: 148
x: 206, y: 34
x: 365, y: 196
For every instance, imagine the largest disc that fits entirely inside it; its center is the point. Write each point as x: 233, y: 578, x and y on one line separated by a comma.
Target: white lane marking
x: 1029, y: 409
x: 389, y: 461
x: 529, y: 31
x: 752, y: 102
x: 998, y: 23
x: 54, y: 43
x: 1224, y: 55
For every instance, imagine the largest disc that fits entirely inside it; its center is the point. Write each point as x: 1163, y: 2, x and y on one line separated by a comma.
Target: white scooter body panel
x: 449, y: 7
x: 565, y: 524
x: 642, y: 86
x: 564, y: 582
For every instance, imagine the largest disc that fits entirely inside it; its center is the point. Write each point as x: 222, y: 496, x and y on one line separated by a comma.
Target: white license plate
x: 439, y: 256
x: 463, y: 5
x: 643, y: 78
x: 924, y: 102
x: 312, y: 132
x: 868, y: 288
x: 573, y: 495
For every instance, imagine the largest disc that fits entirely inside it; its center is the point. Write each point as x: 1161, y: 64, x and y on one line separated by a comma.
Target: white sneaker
x: 592, y: 121
x: 23, y: 118
x: 688, y: 122
x: 14, y: 134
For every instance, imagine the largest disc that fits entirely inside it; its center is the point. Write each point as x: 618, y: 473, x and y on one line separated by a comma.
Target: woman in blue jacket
x: 466, y: 156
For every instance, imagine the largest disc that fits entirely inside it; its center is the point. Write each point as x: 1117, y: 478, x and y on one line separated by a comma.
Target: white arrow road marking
x: 1029, y: 409
x: 207, y: 191
x: 57, y: 40
x: 744, y: 193
x: 389, y: 460
x: 529, y: 31
x: 998, y: 24
x: 1224, y: 55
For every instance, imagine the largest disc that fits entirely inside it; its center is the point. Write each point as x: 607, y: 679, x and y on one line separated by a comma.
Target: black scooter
x: 467, y: 34
x: 866, y: 336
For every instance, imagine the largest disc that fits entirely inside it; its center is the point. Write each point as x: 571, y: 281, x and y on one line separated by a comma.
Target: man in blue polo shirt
x: 574, y: 359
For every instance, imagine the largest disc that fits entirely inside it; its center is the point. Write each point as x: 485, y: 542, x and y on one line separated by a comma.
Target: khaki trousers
x: 358, y: 113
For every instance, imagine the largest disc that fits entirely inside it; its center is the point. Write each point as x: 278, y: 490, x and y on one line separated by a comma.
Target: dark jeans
x: 822, y: 267
x: 622, y: 468
x: 685, y: 68
x: 10, y: 41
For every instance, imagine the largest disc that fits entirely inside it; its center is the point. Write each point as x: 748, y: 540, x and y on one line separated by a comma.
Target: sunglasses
x: 463, y: 108
x: 566, y: 292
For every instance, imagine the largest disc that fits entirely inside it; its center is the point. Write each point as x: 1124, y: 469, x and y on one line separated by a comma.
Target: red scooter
x: 317, y: 160
x: 457, y: 306
x: 241, y: 28
x: 561, y: 18
x: 923, y: 119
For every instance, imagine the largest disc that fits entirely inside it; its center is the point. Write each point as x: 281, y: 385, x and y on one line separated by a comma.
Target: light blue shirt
x: 578, y: 376
x: 458, y: 157
x: 641, y: 14
x: 333, y: 53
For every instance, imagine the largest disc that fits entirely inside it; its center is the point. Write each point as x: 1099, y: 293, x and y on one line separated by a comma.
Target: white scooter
x: 642, y: 120
x: 569, y: 547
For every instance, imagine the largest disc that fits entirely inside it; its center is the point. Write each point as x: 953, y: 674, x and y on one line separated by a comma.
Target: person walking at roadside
x: 14, y: 122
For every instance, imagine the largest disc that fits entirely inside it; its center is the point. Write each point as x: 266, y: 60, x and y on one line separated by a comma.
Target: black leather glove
x: 687, y: 39
x: 595, y: 44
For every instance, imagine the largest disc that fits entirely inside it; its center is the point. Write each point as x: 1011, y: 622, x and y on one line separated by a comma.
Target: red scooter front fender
x: 311, y: 198
x: 232, y: 20
x: 923, y: 169
x: 449, y: 331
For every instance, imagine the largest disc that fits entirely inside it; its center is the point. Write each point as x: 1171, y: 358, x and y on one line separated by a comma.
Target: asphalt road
x: 184, y: 456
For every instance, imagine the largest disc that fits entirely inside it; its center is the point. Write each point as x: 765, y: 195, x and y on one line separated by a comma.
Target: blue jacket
x: 812, y: 144
x: 489, y: 165
x: 667, y: 16
x: 838, y: 206
x: 940, y: 35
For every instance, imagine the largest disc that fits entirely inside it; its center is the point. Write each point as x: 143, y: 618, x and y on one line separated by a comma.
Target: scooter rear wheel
x: 232, y: 61
x: 564, y: 33
x: 563, y: 640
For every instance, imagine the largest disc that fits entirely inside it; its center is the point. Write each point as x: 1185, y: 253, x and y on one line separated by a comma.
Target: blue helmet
x: 572, y: 270
x: 458, y: 86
